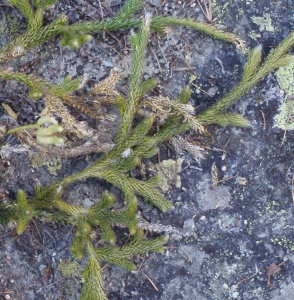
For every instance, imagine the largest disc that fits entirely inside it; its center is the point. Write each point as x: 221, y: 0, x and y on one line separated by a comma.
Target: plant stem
x: 36, y: 126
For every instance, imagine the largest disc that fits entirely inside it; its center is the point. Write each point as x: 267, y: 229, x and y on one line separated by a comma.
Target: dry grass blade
x: 153, y: 284
x: 206, y: 9
x: 9, y: 111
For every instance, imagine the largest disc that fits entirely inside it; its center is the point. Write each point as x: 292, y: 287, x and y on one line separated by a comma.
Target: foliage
x: 134, y: 140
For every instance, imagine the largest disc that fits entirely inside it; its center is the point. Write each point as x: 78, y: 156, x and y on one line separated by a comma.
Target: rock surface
x: 225, y: 238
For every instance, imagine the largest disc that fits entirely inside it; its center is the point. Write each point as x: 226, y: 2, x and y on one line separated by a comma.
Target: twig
x: 51, y: 236
x: 153, y: 284
x: 189, y: 257
x: 225, y: 146
x: 101, y: 10
x: 185, y: 60
x: 118, y: 41
x: 39, y: 290
x: 162, y: 52
x: 263, y: 116
x: 185, y: 69
x: 198, y: 87
x: 157, y: 60
x: 3, y: 236
x: 6, y: 4
x: 38, y: 230
x: 226, y: 179
x: 121, y: 56
x: 221, y: 64
x: 247, y: 278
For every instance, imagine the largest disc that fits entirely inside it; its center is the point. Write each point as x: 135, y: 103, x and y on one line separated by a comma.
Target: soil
x: 233, y: 241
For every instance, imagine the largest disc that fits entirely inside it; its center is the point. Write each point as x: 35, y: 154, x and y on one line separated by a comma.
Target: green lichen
x: 285, y: 76
x: 37, y: 161
x: 285, y: 118
x: 254, y: 35
x: 284, y: 242
x: 69, y: 289
x: 264, y: 23
x: 54, y: 166
x: 168, y: 172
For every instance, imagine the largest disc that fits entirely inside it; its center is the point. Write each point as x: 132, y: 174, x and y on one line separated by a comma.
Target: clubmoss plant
x: 44, y: 135
x: 134, y: 139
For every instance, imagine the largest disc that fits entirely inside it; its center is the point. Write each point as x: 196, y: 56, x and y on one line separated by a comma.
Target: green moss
x: 11, y: 26
x: 69, y: 268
